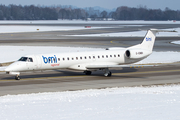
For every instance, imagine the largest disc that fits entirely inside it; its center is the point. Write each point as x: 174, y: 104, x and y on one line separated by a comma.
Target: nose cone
x: 15, y: 67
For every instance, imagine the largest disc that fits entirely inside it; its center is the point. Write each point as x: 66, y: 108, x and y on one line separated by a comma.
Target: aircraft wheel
x: 17, y: 78
x: 87, y: 72
x: 109, y: 74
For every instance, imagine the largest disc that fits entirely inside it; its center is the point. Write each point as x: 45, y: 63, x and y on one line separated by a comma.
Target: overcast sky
x: 110, y: 4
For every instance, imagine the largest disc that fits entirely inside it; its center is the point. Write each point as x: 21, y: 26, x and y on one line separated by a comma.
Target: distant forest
x: 32, y: 12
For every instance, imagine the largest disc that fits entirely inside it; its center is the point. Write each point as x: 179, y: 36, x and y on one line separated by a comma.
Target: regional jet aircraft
x: 86, y: 61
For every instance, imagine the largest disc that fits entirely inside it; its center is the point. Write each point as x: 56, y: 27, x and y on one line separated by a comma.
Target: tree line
x: 142, y: 13
x: 32, y: 12
x: 14, y: 12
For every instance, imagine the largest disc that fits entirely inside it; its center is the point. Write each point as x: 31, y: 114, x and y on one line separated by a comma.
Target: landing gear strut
x: 107, y: 73
x: 87, y: 72
x: 17, y: 77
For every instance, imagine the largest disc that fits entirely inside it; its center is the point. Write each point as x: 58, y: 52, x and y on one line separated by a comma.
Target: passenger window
x: 72, y: 58
x: 114, y: 55
x: 94, y: 57
x: 110, y: 55
x: 49, y: 59
x: 102, y: 56
x: 58, y: 59
x: 63, y: 58
x: 98, y: 56
x: 89, y: 57
x: 67, y: 58
x: 106, y: 56
x: 76, y: 58
x: 118, y: 55
x: 81, y: 58
x: 85, y: 57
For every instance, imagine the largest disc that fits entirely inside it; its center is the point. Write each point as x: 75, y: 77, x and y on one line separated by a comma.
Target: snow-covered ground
x: 85, y: 22
x: 25, y: 28
x: 176, y: 42
x: 129, y: 103
x: 134, y: 34
x: 11, y: 28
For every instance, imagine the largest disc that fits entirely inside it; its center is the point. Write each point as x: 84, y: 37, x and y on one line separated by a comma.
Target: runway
x: 65, y: 80
x: 53, y: 81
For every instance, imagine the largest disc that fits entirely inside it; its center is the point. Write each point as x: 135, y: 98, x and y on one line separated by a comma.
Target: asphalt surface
x: 58, y: 80
x: 64, y: 80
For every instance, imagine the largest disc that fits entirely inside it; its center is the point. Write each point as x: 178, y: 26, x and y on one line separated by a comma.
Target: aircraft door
x: 30, y: 63
x: 38, y: 62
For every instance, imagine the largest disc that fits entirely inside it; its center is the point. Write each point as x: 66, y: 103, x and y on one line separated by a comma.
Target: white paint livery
x: 86, y: 61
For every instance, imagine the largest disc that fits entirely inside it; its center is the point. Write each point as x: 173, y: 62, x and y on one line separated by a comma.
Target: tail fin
x: 149, y: 39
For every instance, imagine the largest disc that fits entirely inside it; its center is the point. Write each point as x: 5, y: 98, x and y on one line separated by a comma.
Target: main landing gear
x: 17, y: 77
x: 87, y: 72
x: 107, y: 73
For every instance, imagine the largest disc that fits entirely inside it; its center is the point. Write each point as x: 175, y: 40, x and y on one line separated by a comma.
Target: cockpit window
x: 26, y: 59
x: 23, y: 59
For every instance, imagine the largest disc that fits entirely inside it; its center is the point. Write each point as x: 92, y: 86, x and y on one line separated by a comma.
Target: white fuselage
x: 75, y: 60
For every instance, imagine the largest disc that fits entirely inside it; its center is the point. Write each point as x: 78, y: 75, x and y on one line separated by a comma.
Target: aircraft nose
x: 10, y: 68
x: 13, y: 67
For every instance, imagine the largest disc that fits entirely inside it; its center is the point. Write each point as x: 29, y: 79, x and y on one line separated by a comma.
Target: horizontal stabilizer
x: 159, y: 30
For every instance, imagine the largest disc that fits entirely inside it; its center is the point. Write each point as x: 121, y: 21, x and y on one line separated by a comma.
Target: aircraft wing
x: 102, y: 66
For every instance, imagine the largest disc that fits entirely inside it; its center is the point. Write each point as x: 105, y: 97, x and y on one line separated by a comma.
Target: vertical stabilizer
x: 149, y: 39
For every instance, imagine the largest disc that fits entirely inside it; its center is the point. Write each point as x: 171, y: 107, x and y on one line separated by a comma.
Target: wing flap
x: 101, y: 66
x: 115, y: 66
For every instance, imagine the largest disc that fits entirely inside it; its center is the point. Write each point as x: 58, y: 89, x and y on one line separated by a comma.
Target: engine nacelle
x: 137, y: 53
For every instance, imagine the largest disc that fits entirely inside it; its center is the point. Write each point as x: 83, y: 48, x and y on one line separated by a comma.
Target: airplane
x: 87, y: 61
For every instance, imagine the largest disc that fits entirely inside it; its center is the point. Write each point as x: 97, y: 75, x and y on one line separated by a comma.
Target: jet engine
x: 137, y: 53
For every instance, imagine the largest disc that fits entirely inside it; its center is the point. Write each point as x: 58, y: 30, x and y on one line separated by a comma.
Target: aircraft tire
x: 88, y: 72
x: 17, y: 78
x: 109, y: 74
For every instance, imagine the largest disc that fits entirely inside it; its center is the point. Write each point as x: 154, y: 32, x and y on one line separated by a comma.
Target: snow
x: 25, y: 28
x: 134, y: 34
x: 176, y: 42
x: 86, y: 22
x: 161, y: 57
x: 132, y: 103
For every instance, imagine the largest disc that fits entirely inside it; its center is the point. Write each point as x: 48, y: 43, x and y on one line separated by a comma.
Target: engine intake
x: 128, y: 54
